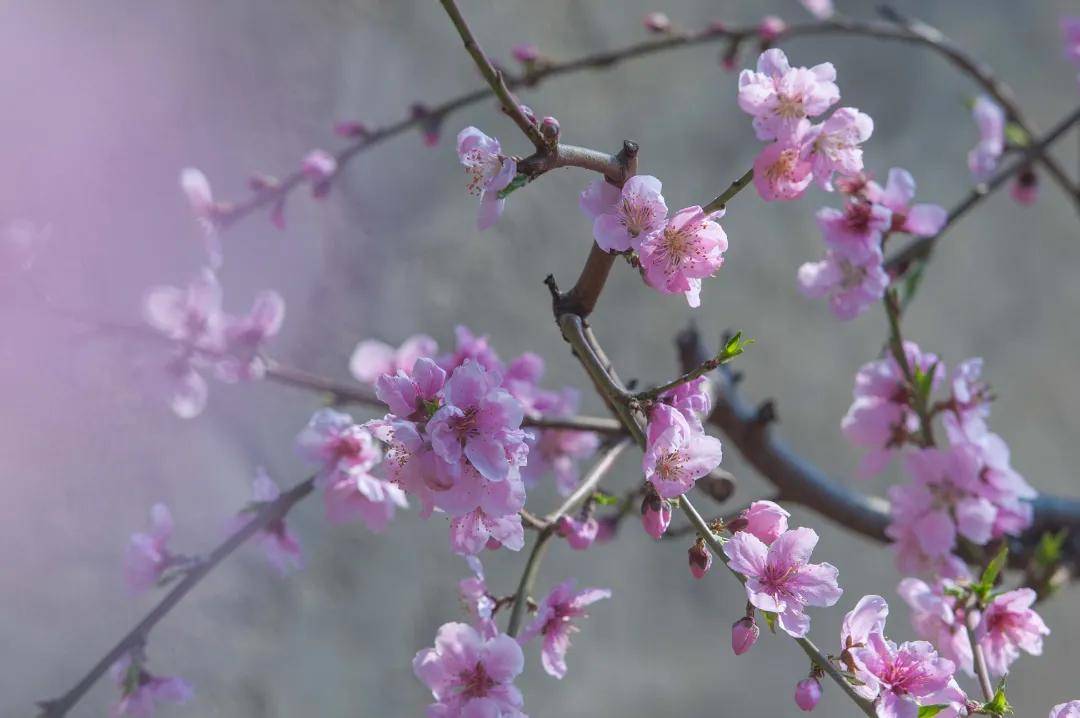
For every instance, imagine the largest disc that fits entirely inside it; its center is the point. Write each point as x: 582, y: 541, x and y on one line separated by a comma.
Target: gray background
x: 106, y: 101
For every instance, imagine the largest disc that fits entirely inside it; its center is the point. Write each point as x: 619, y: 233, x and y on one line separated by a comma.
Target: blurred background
x: 107, y: 101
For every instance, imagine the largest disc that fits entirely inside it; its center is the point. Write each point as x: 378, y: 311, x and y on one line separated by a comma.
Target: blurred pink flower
x: 554, y: 621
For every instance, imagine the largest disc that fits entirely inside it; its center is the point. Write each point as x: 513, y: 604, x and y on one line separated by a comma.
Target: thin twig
x: 724, y: 197
x: 979, y: 661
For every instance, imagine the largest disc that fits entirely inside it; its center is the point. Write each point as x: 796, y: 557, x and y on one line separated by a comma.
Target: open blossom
x: 834, y: 145
x: 867, y: 618
x: 780, y: 578
x: 485, y: 513
x: 937, y: 618
x: 412, y: 395
x: 677, y: 454
x: 489, y: 172
x: 688, y: 249
x: 1072, y: 708
x: 480, y: 422
x: 333, y: 440
x: 243, y: 337
x: 358, y: 494
x: 764, y: 519
x: 857, y: 230
x: 781, y: 170
x: 579, y: 533
x: 276, y: 539
x: 554, y: 621
x: 141, y: 691
x: 851, y: 286
x: 371, y: 358
x: 920, y: 220
x: 881, y: 418
x: 691, y: 399
x: 990, y: 120
x: 779, y: 96
x: 901, y: 676
x: 639, y: 212
x: 190, y: 314
x: 471, y: 676
x: 969, y: 405
x: 474, y: 596
x: 1009, y: 625
x: 147, y: 554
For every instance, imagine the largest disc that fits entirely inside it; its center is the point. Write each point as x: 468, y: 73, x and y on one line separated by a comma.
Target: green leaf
x: 1017, y: 135
x: 770, y: 620
x: 993, y: 569
x: 602, y: 499
x: 1048, y: 552
x: 517, y: 183
x: 932, y: 710
x: 912, y: 280
x: 734, y: 347
x: 999, y: 706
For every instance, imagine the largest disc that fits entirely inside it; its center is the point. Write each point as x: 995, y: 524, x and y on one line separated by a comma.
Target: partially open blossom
x: 857, y: 230
x: 470, y: 346
x: 900, y: 677
x: 766, y: 520
x: 333, y: 440
x: 937, y: 617
x: 677, y: 454
x: 781, y: 170
x: 640, y: 211
x: 990, y: 120
x: 554, y: 621
x: 141, y: 691
x: 780, y: 578
x: 807, y: 693
x: 655, y: 514
x: 147, y: 554
x: 700, y: 559
x: 197, y: 190
x: 867, y: 618
x: 779, y: 97
x: 471, y: 676
x: 744, y: 634
x: 179, y: 382
x: 1072, y: 708
x: 1025, y: 187
x: 244, y: 335
x: 688, y: 249
x: 190, y: 314
x: 657, y: 22
x: 770, y: 27
x: 473, y: 592
x: 579, y: 533
x: 489, y: 172
x: 276, y: 539
x: 851, y: 286
x: 372, y: 358
x: 834, y: 145
x: 319, y: 167
x: 1008, y: 626
x: 920, y: 220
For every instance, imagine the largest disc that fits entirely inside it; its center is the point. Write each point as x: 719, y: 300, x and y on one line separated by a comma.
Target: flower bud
x: 657, y: 22
x: 1025, y: 188
x: 579, y: 534
x: 525, y: 53
x: 744, y: 634
x: 700, y: 559
x: 430, y: 124
x: 655, y: 514
x: 549, y: 128
x: 807, y: 693
x: 528, y: 112
x: 737, y: 524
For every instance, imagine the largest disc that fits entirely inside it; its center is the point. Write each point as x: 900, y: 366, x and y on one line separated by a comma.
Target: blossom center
x: 475, y: 683
x: 670, y: 466
x: 636, y: 217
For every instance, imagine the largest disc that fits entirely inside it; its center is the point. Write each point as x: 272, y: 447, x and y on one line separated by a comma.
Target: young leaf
x: 602, y: 499
x: 993, y: 570
x: 999, y: 706
x: 932, y: 710
x: 770, y: 620
x: 1016, y: 135
x: 1048, y: 552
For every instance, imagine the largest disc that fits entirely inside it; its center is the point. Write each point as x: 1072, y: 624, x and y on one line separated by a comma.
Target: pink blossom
x: 899, y: 676
x: 276, y: 539
x: 414, y: 396
x: 834, y: 145
x: 990, y: 119
x: 766, y: 520
x: 866, y: 619
x: 190, y: 314
x: 771, y: 28
x: 372, y: 358
x: 525, y: 52
x: 147, y: 556
x: 700, y: 559
x: 333, y: 440
x: 599, y: 197
x: 479, y: 422
x: 655, y: 513
x: 141, y: 691
x: 1072, y: 708
x: 821, y: 9
x: 779, y: 97
x: 779, y: 578
x: 178, y: 380
x: 244, y: 336
x: 473, y: 532
x: 807, y: 693
x: 920, y: 220
x: 471, y: 676
x: 470, y: 346
x: 657, y: 22
x: 744, y: 634
x: 969, y: 405
x: 881, y: 418
x: 676, y: 454
x: 690, y: 248
x: 692, y: 399
x: 1025, y: 188
x: 489, y: 172
x: 851, y: 286
x: 410, y: 462
x: 579, y: 533
x: 936, y: 617
x: 484, y: 512
x: 1070, y: 32
x: 351, y: 129
x: 357, y: 494
x: 640, y: 211
x: 1008, y: 626
x: 319, y: 167
x: 781, y: 171
x: 554, y: 621
x: 857, y: 230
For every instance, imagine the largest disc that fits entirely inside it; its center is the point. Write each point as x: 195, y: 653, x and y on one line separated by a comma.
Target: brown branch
x: 272, y: 511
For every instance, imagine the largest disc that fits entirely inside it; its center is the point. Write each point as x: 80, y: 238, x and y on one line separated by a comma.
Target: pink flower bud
x: 549, y: 128
x: 700, y: 559
x: 807, y: 693
x: 350, y: 129
x: 319, y: 166
x: 1025, y: 188
x: 770, y: 27
x: 655, y: 514
x: 657, y: 22
x: 744, y: 634
x: 525, y: 53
